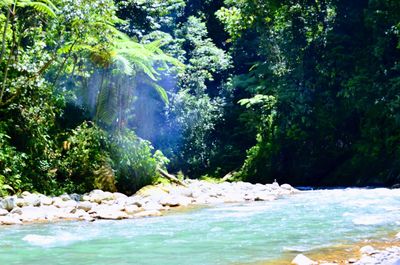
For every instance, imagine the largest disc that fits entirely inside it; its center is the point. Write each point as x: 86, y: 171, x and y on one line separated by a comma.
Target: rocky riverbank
x: 368, y: 255
x: 149, y: 201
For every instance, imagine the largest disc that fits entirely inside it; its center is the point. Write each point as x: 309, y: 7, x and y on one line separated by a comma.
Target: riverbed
x: 220, y: 234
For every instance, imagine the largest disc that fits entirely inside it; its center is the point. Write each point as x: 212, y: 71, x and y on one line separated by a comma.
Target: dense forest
x: 103, y: 93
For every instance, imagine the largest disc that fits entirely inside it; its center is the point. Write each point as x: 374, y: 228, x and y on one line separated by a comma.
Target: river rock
x: 231, y: 197
x: 32, y: 199
x: 181, y: 191
x: 20, y: 202
x: 105, y: 207
x: 9, y: 203
x: 81, y: 214
x: 147, y: 213
x: 60, y: 203
x: 98, y: 196
x: 76, y: 197
x: 111, y: 214
x: 367, y: 250
x: 31, y: 213
x: 287, y: 187
x: 134, y: 200
x: 85, y: 205
x: 65, y: 197
x: 118, y: 195
x: 51, y: 212
x: 264, y: 196
x: 131, y: 209
x: 303, y: 260
x: 3, y: 212
x: 174, y: 201
x: 16, y: 210
x: 44, y: 200
x: 151, y: 205
x: 9, y: 220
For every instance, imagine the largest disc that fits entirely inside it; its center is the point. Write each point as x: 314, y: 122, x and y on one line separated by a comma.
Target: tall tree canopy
x: 306, y: 92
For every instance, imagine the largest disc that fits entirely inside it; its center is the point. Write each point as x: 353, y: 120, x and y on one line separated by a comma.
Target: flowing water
x: 246, y: 233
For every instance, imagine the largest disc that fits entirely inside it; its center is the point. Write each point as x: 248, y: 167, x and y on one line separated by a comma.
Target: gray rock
x: 58, y: 202
x: 111, y: 214
x: 44, y: 200
x: 131, y: 209
x: 31, y: 199
x: 51, y: 212
x: 133, y: 200
x: 10, y: 220
x: 20, y: 202
x: 16, y: 210
x: 65, y: 197
x: 264, y: 196
x: 174, y: 201
x: 150, y: 206
x: 98, y: 196
x: 85, y: 205
x: 118, y: 195
x: 76, y: 197
x: 9, y: 203
x: 31, y: 214
x: 3, y: 212
x: 25, y: 193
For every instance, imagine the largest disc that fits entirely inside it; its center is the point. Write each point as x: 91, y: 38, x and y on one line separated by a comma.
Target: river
x: 245, y: 233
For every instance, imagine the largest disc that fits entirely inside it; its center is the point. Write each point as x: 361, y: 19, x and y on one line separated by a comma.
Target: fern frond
x: 159, y: 89
x: 123, y: 64
x: 50, y: 4
x: 43, y: 8
x: 107, y: 105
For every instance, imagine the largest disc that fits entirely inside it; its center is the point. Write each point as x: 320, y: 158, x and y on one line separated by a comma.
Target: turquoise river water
x: 245, y: 233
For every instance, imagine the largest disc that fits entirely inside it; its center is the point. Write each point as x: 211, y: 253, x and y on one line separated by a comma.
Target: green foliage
x: 84, y: 154
x: 332, y: 120
x: 309, y: 89
x: 12, y: 164
x: 134, y: 164
x: 195, y: 118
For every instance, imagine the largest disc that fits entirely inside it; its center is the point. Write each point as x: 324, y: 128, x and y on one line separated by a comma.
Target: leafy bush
x: 133, y: 161
x: 12, y: 164
x: 85, y: 158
